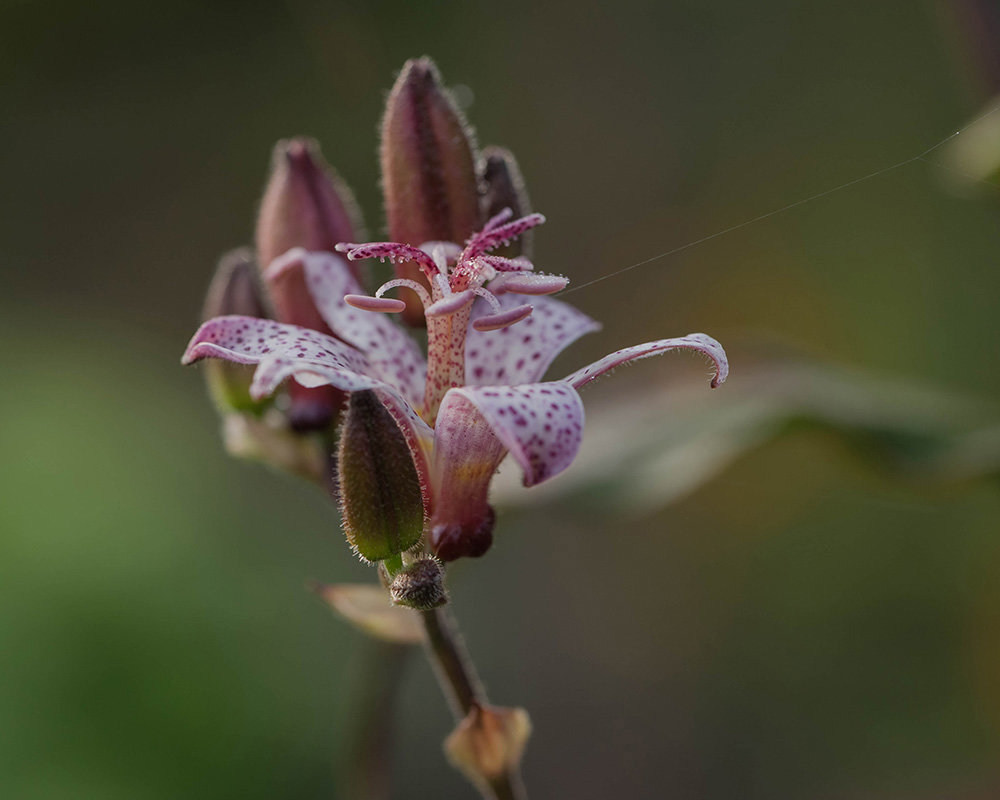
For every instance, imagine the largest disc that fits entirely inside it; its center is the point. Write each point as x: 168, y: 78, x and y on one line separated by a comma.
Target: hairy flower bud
x: 488, y: 743
x: 428, y: 169
x: 305, y: 205
x: 381, y: 503
x: 419, y: 586
x: 503, y: 187
x: 234, y: 290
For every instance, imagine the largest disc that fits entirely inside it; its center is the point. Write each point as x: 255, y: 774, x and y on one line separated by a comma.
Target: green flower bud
x: 234, y: 290
x: 381, y: 503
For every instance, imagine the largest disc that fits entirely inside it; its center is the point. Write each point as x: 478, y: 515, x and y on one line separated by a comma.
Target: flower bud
x: 428, y: 169
x: 488, y: 743
x: 305, y: 205
x: 234, y: 290
x: 381, y: 504
x: 419, y: 586
x: 503, y: 187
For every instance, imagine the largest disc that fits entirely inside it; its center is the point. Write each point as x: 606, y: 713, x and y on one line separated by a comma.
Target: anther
x: 495, y: 322
x: 531, y: 284
x: 386, y: 305
x: 451, y: 303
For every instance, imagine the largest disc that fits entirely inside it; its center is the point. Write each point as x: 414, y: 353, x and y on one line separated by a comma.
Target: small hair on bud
x: 420, y: 585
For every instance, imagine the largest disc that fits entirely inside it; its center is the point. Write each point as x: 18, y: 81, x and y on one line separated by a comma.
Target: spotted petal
x: 282, y: 351
x: 700, y: 342
x: 392, y: 354
x: 522, y: 352
x: 541, y: 424
x: 312, y: 359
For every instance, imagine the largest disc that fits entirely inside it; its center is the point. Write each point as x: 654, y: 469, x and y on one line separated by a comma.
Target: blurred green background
x: 804, y: 626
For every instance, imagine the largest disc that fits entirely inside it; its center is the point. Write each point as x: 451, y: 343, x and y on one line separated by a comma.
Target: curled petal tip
x: 698, y: 342
x: 494, y: 322
x: 365, y: 302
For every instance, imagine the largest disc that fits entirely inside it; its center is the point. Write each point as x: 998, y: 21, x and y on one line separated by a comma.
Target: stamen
x: 420, y: 290
x: 387, y: 305
x: 450, y: 303
x: 489, y: 298
x: 495, y: 322
x: 521, y: 283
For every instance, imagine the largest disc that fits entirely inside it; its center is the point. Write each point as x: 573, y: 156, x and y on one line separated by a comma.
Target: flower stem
x: 462, y: 688
x: 365, y: 767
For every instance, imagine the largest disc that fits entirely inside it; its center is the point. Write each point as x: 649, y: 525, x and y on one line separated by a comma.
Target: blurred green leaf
x: 648, y: 451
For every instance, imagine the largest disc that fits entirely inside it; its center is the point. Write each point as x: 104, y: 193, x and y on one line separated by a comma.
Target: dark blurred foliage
x: 803, y: 626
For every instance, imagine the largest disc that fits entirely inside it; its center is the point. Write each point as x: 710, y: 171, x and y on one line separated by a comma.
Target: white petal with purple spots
x: 522, y: 352
x: 541, y: 424
x: 392, y: 355
x: 699, y: 342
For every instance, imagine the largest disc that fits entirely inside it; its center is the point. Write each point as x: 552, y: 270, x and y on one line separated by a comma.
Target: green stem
x: 461, y: 686
x: 365, y: 766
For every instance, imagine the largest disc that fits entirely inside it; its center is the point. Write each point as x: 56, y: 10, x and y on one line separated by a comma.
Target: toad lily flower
x: 478, y: 395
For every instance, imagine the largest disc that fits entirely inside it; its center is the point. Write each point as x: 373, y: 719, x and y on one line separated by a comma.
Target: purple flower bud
x: 428, y: 169
x: 503, y: 187
x: 305, y: 205
x: 234, y: 290
x: 380, y: 497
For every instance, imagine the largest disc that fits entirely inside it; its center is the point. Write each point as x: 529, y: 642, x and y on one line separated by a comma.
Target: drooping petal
x: 466, y: 455
x: 282, y: 351
x: 541, y: 424
x: 522, y: 353
x: 312, y: 359
x: 391, y: 353
x: 699, y: 342
x: 246, y: 340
